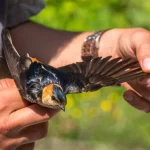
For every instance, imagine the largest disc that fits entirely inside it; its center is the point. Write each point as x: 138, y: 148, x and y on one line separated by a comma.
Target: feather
x: 89, y: 75
x: 97, y: 72
x: 13, y: 59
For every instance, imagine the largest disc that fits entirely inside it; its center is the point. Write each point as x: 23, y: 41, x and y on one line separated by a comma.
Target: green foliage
x: 94, y: 15
x: 103, y: 116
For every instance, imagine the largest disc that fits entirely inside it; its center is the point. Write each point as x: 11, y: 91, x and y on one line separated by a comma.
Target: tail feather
x: 13, y: 59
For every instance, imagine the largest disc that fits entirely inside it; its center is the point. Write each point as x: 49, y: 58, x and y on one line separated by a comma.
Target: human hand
x: 21, y: 123
x: 133, y: 43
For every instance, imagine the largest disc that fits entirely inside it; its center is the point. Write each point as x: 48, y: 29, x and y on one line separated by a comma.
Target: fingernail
x: 128, y: 97
x: 146, y: 63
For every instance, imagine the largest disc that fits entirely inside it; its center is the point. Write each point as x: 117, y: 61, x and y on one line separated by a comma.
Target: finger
x: 7, y: 83
x: 27, y: 135
x: 143, y: 91
x: 10, y: 100
x: 136, y: 101
x: 28, y: 116
x: 33, y: 133
x: 140, y: 41
x: 145, y: 81
x: 29, y: 146
x: 134, y: 85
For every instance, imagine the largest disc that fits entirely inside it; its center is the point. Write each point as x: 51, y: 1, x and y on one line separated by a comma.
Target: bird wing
x: 13, y: 61
x: 97, y: 72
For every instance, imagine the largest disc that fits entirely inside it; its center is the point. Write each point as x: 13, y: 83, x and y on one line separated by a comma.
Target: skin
x: 19, y: 118
x: 134, y: 43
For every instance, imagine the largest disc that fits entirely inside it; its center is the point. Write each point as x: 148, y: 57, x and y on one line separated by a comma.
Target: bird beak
x: 62, y: 107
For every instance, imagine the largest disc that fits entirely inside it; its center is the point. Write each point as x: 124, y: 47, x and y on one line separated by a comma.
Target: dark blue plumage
x: 59, y: 94
x: 39, y: 76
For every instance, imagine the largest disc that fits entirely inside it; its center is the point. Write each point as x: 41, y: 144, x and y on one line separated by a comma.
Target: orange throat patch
x: 47, y: 93
x: 34, y: 59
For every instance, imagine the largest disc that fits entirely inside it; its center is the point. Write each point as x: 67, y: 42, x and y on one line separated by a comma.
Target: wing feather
x: 11, y: 55
x: 97, y: 72
x: 12, y: 58
x: 89, y: 75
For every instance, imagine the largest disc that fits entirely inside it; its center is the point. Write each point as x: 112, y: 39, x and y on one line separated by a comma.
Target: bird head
x: 54, y: 97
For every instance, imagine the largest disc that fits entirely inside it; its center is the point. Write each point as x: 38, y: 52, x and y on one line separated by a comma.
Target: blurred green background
x: 101, y: 120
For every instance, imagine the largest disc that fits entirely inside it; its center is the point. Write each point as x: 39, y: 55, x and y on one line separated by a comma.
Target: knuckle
x: 5, y: 128
x: 143, y: 50
x: 140, y: 33
x: 144, y: 46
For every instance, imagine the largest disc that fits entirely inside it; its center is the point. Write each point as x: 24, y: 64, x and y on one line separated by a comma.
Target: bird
x: 48, y: 86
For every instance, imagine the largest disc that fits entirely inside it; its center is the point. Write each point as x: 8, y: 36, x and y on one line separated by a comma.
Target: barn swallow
x: 48, y: 86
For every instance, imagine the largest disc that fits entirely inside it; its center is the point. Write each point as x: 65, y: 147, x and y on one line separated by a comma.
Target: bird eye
x: 53, y: 98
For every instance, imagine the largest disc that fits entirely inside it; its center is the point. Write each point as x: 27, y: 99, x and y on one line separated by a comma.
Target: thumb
x: 141, y: 46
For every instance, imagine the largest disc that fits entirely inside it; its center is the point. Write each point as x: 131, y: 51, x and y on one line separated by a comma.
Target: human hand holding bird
x: 33, y: 77
x: 48, y: 86
x: 133, y: 43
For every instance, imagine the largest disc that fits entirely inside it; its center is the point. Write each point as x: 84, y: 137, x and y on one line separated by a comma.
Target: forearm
x: 50, y: 46
x: 54, y: 47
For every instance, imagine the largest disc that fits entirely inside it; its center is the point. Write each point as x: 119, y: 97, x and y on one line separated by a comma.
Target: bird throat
x: 48, y: 91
